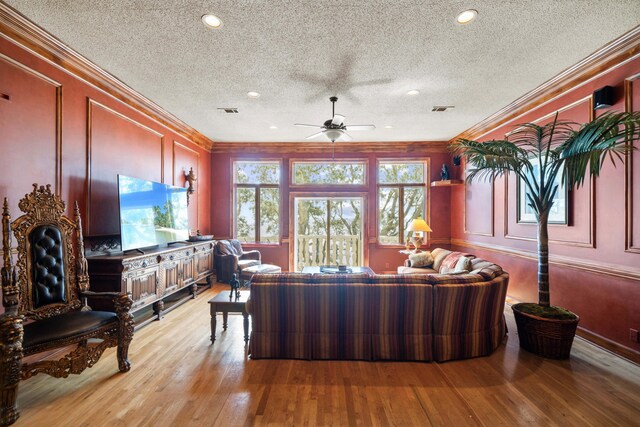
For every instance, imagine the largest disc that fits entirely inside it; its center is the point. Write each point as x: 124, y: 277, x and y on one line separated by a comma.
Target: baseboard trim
x: 563, y: 261
x: 610, y: 346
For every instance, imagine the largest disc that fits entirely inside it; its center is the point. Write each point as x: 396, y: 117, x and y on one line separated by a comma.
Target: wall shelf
x: 447, y: 183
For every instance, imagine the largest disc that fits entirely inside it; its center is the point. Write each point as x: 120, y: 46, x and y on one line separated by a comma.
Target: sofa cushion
x: 449, y: 263
x: 489, y: 271
x: 224, y: 247
x: 414, y: 270
x: 454, y: 279
x: 246, y: 263
x: 237, y: 246
x: 421, y: 259
x: 438, y: 255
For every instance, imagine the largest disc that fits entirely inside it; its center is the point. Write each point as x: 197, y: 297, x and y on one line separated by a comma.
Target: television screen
x: 151, y: 213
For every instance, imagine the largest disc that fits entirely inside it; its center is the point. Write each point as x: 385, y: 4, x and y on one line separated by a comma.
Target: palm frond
x: 489, y: 159
x: 609, y: 135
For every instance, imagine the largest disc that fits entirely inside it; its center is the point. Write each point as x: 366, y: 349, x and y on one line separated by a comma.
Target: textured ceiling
x: 297, y: 53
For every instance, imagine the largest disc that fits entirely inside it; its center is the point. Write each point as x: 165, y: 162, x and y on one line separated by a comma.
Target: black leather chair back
x: 47, y: 265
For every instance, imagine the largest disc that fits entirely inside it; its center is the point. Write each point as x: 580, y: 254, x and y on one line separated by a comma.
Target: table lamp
x: 419, y: 227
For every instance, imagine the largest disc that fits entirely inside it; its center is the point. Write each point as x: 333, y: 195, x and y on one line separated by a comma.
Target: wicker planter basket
x: 549, y: 338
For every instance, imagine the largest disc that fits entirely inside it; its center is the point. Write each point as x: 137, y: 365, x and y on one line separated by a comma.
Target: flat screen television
x: 151, y: 213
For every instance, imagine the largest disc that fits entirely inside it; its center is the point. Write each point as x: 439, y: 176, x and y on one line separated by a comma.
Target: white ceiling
x: 297, y: 53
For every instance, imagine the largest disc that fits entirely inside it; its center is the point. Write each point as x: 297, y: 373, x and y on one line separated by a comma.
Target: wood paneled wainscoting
x: 179, y: 378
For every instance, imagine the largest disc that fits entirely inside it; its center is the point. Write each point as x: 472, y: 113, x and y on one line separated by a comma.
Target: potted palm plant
x: 538, y: 155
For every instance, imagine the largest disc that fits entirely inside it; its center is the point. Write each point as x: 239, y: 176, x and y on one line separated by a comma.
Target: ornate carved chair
x: 230, y: 259
x: 45, y: 299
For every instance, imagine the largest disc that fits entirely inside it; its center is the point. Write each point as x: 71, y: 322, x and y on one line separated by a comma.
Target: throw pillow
x: 421, y: 259
x: 439, y: 255
x: 450, y: 263
x: 463, y: 264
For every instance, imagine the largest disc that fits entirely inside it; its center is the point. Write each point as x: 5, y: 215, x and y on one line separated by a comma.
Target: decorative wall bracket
x: 190, y: 177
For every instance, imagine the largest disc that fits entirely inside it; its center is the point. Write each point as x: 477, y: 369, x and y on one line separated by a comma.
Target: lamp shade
x: 419, y: 224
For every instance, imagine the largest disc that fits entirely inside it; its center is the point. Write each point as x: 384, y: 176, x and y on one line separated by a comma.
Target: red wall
x: 593, y: 273
x: 380, y: 258
x: 56, y: 129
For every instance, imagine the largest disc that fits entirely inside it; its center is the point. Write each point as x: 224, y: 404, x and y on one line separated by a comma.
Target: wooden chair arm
x: 102, y: 295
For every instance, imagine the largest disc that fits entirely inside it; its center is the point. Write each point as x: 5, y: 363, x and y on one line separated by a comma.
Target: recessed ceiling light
x: 466, y: 16
x: 253, y: 94
x: 273, y: 127
x: 388, y: 127
x: 413, y: 92
x: 211, y: 21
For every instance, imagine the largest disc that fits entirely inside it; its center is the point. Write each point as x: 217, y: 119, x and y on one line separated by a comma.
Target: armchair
x: 230, y: 259
x: 45, y: 299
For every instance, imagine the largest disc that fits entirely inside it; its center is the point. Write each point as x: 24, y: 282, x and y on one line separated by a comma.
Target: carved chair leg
x: 125, y: 331
x: 10, y: 367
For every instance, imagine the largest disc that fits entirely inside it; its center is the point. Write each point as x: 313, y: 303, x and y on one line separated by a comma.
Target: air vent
x: 440, y: 108
x: 228, y: 110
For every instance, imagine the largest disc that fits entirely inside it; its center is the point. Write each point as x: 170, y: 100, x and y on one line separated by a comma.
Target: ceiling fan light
x: 466, y: 16
x: 211, y: 21
x: 333, y: 134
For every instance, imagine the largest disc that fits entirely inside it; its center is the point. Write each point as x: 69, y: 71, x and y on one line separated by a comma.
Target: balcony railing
x: 343, y: 250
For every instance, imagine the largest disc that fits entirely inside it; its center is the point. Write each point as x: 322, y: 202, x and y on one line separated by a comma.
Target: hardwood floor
x: 178, y: 378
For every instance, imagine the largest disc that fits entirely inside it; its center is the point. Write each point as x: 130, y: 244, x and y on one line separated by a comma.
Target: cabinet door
x: 171, y: 276
x: 205, y: 263
x: 142, y: 285
x: 188, y: 271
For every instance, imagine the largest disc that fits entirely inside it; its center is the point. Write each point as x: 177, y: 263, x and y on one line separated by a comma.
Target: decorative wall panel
x: 478, y: 208
x: 581, y: 225
x: 116, y: 145
x: 35, y: 136
x: 632, y: 179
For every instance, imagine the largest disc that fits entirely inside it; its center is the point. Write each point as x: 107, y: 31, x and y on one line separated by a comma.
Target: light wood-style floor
x: 179, y: 379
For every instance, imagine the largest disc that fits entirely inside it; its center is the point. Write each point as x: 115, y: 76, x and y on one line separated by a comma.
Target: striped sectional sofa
x: 381, y: 317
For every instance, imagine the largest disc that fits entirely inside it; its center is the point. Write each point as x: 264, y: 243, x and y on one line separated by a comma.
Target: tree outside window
x: 257, y: 201
x: 401, y: 198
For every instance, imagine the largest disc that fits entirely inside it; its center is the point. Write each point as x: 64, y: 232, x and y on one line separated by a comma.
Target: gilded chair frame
x: 42, y: 207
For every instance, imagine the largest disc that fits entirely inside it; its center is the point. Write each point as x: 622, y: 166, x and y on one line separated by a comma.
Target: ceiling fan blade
x: 310, y: 126
x: 360, y: 127
x: 314, y: 135
x: 337, y: 120
x: 346, y: 137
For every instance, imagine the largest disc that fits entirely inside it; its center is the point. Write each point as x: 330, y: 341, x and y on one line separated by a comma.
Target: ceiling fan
x: 335, y: 128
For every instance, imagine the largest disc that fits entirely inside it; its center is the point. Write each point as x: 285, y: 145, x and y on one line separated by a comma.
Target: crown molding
x: 613, y: 54
x: 405, y: 147
x: 18, y: 29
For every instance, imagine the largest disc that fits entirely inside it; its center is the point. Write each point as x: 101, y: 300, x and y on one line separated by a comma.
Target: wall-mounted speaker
x: 604, y: 97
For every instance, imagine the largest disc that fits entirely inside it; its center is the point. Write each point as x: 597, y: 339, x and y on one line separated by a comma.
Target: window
x: 257, y: 201
x: 332, y: 173
x: 401, y: 198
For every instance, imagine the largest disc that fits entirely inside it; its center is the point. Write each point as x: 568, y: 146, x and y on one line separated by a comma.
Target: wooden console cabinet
x: 157, y: 280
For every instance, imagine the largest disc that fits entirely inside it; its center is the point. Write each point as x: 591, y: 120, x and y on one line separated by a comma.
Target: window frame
x: 426, y: 207
x: 257, y: 188
x: 293, y: 161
